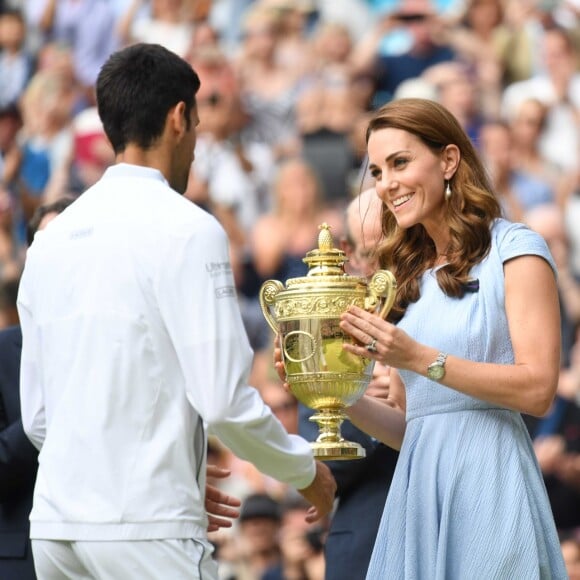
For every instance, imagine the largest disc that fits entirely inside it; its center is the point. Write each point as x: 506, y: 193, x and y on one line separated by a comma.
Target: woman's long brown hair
x: 470, y: 210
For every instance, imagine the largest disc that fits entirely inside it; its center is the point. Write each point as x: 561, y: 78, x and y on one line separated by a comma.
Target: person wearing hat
x: 258, y: 532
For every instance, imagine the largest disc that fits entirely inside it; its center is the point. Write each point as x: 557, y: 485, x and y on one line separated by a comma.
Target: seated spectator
x: 269, y: 89
x: 301, y: 544
x: 518, y: 191
x: 46, y: 137
x: 230, y: 174
x: 559, y: 89
x: 165, y: 22
x: 419, y: 22
x: 16, y: 62
x: 9, y: 263
x: 86, y: 27
x: 528, y: 125
x: 10, y: 250
x: 475, y: 40
x: 294, y: 50
x: 256, y: 543
x: 458, y: 91
x: 281, y: 237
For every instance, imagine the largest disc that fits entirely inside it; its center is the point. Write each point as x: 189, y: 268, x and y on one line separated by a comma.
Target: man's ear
x: 451, y: 158
x: 177, y: 118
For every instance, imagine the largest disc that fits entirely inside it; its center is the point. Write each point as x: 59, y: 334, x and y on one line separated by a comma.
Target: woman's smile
x: 401, y: 200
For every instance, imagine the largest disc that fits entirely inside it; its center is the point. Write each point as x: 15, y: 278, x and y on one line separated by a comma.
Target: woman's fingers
x: 363, y: 326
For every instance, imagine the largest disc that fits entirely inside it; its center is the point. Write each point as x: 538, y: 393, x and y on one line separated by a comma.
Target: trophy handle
x: 268, y: 292
x: 382, y: 285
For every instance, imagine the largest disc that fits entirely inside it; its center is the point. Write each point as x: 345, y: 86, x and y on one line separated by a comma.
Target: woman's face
x: 260, y: 39
x: 527, y: 126
x: 409, y: 177
x: 297, y: 188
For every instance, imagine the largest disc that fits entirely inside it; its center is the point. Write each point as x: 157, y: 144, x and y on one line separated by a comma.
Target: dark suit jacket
x: 362, y: 487
x: 18, y: 465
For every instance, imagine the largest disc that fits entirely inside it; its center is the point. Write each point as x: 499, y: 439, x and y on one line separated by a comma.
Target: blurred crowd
x: 287, y: 88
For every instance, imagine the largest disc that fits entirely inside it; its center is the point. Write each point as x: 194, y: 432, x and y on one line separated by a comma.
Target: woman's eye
x: 375, y: 173
x: 400, y: 162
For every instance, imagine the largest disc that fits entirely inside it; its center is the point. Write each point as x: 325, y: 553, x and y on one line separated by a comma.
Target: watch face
x: 436, y: 371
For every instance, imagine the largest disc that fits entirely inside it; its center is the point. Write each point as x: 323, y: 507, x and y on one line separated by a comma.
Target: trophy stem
x: 330, y: 445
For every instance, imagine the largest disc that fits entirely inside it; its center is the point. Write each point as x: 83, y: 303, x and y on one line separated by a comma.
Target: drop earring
x: 448, y: 191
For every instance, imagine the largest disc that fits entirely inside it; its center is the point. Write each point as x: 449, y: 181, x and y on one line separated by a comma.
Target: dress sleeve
x: 515, y: 239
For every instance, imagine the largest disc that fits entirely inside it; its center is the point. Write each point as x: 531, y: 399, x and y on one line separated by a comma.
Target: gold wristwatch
x: 436, y: 370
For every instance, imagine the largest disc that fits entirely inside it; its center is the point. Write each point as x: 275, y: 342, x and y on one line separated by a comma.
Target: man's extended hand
x: 320, y: 493
x: 220, y: 506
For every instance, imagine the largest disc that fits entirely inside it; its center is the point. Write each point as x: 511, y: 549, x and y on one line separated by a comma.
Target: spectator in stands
x: 282, y: 236
x: 16, y: 62
x: 86, y: 26
x: 268, y: 88
x: 517, y: 190
x: 420, y: 21
x: 557, y: 86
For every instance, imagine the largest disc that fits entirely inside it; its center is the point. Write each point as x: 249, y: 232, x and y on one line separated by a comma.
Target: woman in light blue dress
x: 474, y: 340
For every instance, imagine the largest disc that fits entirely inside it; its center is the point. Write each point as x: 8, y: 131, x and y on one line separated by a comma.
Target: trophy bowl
x: 305, y: 314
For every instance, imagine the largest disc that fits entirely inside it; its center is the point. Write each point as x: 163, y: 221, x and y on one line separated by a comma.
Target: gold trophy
x: 306, y: 315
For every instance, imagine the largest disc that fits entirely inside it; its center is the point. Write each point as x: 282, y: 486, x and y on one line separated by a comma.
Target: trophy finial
x: 324, y: 238
x: 326, y: 260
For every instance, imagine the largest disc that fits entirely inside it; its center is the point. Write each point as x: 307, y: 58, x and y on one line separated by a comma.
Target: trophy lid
x: 326, y: 260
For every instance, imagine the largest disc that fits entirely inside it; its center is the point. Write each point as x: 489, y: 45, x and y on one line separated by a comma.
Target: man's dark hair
x: 56, y: 206
x: 137, y: 87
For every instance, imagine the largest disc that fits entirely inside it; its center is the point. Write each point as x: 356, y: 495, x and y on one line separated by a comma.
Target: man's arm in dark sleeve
x: 18, y: 460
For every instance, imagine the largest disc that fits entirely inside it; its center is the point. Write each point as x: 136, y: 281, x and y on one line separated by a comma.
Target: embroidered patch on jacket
x: 225, y: 292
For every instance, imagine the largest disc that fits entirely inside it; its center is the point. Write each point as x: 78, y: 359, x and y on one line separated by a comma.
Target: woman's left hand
x: 378, y: 339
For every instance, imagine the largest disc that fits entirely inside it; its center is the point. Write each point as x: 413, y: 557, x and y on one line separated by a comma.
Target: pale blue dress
x: 467, y: 501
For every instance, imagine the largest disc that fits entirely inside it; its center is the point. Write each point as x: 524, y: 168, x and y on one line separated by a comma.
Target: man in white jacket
x: 133, y: 346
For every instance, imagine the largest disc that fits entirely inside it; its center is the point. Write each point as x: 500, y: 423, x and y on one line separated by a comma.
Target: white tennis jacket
x: 133, y: 345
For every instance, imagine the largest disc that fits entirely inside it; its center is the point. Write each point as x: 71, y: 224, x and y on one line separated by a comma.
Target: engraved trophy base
x: 338, y: 451
x: 330, y: 446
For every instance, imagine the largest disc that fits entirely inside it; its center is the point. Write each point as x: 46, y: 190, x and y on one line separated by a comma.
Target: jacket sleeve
x: 198, y: 302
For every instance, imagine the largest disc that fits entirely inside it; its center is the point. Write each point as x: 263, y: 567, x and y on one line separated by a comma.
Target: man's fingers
x: 215, y: 471
x: 214, y: 508
x: 215, y: 523
x: 215, y: 495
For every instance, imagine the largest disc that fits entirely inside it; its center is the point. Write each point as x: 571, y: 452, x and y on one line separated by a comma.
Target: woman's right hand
x: 379, y: 386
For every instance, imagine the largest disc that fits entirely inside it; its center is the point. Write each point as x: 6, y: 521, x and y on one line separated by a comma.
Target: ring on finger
x: 372, y: 345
